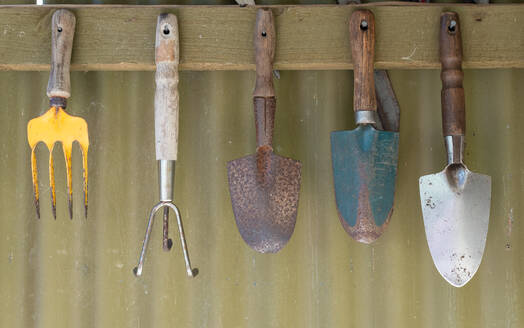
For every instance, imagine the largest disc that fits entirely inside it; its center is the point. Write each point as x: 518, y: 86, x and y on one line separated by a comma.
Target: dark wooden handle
x: 264, y: 100
x: 167, y: 56
x: 362, y: 34
x: 62, y: 34
x: 453, y: 107
x: 264, y: 42
x: 265, y: 108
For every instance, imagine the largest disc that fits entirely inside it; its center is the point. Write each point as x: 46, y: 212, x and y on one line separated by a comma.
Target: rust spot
x: 265, y: 209
x: 430, y: 203
x: 365, y: 229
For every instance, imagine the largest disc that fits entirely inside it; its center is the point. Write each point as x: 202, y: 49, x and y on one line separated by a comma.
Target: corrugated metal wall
x: 79, y: 273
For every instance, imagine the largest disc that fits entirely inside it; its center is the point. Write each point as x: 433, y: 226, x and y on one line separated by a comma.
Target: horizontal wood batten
x: 311, y: 37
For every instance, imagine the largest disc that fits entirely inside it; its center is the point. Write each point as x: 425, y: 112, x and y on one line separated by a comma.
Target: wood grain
x: 62, y: 34
x: 166, y: 92
x: 362, y: 34
x: 264, y: 38
x: 221, y: 37
x: 452, y: 96
x: 264, y: 101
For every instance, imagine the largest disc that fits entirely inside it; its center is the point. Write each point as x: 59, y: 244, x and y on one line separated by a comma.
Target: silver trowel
x: 455, y: 202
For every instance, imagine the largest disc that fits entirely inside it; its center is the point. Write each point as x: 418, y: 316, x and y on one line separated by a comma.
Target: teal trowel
x: 364, y: 159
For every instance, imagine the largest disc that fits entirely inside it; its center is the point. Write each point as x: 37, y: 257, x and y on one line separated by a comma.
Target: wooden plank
x: 220, y: 37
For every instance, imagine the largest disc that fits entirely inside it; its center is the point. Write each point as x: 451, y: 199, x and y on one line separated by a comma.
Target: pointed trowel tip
x: 264, y: 241
x: 268, y: 246
x: 460, y: 270
x: 456, y: 283
x: 365, y: 231
x: 366, y: 239
x: 458, y: 280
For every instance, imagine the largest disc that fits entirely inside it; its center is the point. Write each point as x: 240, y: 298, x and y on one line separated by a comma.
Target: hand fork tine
x: 34, y: 170
x: 67, y: 155
x: 52, y: 180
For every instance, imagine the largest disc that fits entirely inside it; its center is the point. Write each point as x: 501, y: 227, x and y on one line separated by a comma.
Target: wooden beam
x: 310, y: 37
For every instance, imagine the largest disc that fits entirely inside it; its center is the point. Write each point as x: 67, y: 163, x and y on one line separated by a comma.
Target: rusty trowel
x: 264, y: 187
x: 455, y: 202
x: 365, y: 159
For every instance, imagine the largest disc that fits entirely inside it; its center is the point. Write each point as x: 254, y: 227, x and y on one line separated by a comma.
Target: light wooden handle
x: 62, y: 33
x: 452, y: 96
x: 166, y: 95
x: 264, y: 41
x: 362, y: 34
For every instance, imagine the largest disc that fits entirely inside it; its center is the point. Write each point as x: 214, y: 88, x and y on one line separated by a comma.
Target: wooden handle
x: 264, y: 100
x: 265, y: 108
x: 362, y: 33
x: 166, y: 94
x: 62, y: 33
x: 264, y: 42
x: 453, y: 106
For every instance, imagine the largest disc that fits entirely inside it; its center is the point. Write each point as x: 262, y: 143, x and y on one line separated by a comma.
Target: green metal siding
x: 78, y: 273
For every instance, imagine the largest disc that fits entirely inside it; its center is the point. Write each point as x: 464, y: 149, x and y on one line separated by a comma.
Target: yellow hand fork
x: 56, y: 125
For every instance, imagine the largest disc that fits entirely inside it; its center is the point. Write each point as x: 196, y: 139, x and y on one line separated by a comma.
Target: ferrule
x: 455, y: 149
x: 166, y: 179
x: 366, y: 117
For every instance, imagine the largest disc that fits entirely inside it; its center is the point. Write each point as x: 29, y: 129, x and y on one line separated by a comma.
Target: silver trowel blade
x: 455, y: 205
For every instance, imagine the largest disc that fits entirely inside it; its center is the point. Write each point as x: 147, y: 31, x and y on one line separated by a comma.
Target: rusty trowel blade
x: 364, y: 171
x: 455, y: 205
x: 265, y: 208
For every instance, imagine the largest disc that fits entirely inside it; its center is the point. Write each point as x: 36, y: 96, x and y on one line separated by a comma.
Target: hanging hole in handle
x: 452, y: 28
x: 264, y: 34
x: 166, y: 30
x: 364, y: 25
x: 59, y: 29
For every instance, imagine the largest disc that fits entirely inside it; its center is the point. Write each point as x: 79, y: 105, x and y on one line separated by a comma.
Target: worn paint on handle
x: 62, y: 34
x: 166, y: 94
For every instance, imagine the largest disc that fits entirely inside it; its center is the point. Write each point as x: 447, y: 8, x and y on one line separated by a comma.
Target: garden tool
x: 264, y: 187
x: 455, y: 202
x: 167, y: 57
x: 388, y: 109
x: 364, y: 159
x: 56, y: 125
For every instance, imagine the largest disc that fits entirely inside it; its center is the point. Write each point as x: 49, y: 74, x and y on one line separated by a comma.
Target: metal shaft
x: 166, y: 179
x: 455, y: 149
